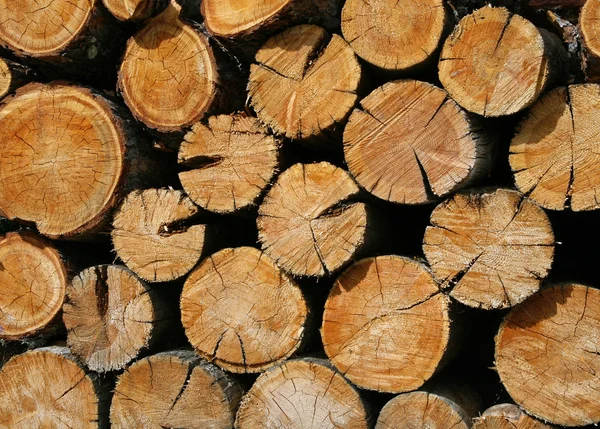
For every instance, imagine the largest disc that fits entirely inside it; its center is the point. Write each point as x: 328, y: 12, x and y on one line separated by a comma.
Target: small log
x: 552, y: 155
x: 12, y: 76
x: 547, y: 355
x: 410, y: 143
x: 386, y: 326
x: 490, y: 248
x: 496, y: 63
x: 154, y: 235
x: 507, y: 416
x: 302, y: 393
x: 590, y: 36
x: 134, y: 10
x: 111, y: 316
x: 34, y: 278
x: 229, y: 162
x: 47, y: 388
x: 241, y: 312
x: 309, y: 223
x: 395, y: 36
x: 304, y: 81
x: 174, y: 389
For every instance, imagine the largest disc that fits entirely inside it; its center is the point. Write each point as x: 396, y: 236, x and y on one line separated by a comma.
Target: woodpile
x: 232, y: 214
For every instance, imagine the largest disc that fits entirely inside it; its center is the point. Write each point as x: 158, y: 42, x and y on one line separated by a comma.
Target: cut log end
x: 507, y: 416
x: 410, y: 143
x: 552, y: 155
x: 491, y: 249
x: 304, y: 81
x: 386, y: 325
x: 590, y: 34
x: 405, y: 33
x: 307, y: 223
x: 133, y: 10
x: 228, y: 162
x: 153, y: 234
x: 34, y: 279
x: 330, y: 401
x: 552, y: 334
x: 240, y: 312
x: 174, y: 390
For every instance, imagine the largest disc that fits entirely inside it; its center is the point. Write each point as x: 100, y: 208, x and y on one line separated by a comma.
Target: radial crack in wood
x: 507, y: 416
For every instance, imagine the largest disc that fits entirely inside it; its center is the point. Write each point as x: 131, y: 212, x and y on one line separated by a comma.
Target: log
x: 34, y: 278
x: 590, y: 37
x: 134, y: 10
x: 395, y: 36
x: 507, y: 416
x: 302, y: 393
x: 547, y: 355
x: 67, y: 155
x: 410, y: 143
x: 228, y: 162
x: 155, y: 234
x: 490, y: 249
x: 111, y: 317
x: 552, y: 155
x: 241, y: 312
x: 12, y: 76
x: 174, y: 389
x: 304, y: 82
x: 496, y: 63
x: 47, y: 388
x: 309, y: 222
x: 386, y: 326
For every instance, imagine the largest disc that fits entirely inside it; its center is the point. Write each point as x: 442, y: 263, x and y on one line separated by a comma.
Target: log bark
x: 410, y: 143
x: 241, y: 312
x: 309, y: 222
x: 507, y: 416
x: 590, y: 35
x: 490, y: 248
x: 228, y: 162
x: 34, y: 278
x: 67, y: 155
x: 302, y: 393
x: 12, y: 76
x: 386, y: 326
x: 547, y: 355
x: 174, y: 389
x: 155, y: 234
x: 553, y: 154
x: 496, y: 63
x: 111, y: 317
x: 395, y: 36
x: 47, y: 387
x: 304, y: 82
x: 134, y: 10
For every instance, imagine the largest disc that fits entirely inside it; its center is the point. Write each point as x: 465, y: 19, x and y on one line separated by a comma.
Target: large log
x: 507, y: 416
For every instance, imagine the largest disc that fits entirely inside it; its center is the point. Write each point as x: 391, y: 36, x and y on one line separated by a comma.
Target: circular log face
x: 556, y: 152
x: 547, y: 355
x: 386, y: 325
x: 232, y: 17
x: 491, y: 249
x: 5, y: 78
x: 302, y: 394
x: 588, y: 22
x: 61, y: 158
x: 392, y: 34
x: 33, y: 280
x: 133, y: 10
x: 494, y: 63
x: 507, y: 416
x: 43, y: 27
x: 241, y: 312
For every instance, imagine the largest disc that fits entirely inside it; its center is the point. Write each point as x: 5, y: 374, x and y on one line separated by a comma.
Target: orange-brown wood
x: 507, y: 416
x: 589, y: 27
x: 134, y: 10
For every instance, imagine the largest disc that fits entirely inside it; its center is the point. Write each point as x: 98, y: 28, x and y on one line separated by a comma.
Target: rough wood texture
x: 496, y: 63
x: 547, y: 355
x: 111, y: 316
x: 154, y: 235
x: 309, y: 224
x: 174, y: 389
x: 12, y: 76
x: 134, y: 10
x: 241, y: 312
x: 304, y: 81
x: 302, y: 394
x: 169, y: 76
x: 554, y: 155
x: 490, y: 248
x: 410, y: 143
x: 589, y: 27
x: 395, y: 35
x: 34, y: 278
x: 507, y: 416
x: 386, y: 326
x: 229, y: 162
x: 47, y: 388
